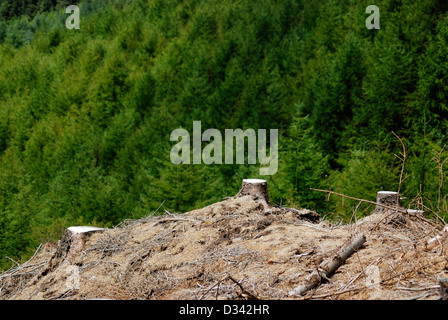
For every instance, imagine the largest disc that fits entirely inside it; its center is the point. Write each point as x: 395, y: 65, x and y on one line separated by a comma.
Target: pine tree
x: 302, y: 165
x: 433, y: 82
x: 333, y: 97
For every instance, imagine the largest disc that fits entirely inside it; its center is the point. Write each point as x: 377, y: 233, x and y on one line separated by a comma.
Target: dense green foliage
x: 86, y: 115
x: 16, y: 8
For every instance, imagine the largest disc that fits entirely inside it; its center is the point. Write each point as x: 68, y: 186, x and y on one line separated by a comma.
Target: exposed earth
x: 237, y: 249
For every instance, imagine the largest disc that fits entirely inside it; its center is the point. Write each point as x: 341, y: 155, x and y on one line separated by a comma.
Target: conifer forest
x: 86, y: 113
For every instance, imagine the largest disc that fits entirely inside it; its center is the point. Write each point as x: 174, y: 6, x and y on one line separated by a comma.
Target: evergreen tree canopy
x: 86, y: 114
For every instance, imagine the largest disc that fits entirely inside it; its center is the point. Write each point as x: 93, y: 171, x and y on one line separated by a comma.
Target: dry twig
x: 402, y: 157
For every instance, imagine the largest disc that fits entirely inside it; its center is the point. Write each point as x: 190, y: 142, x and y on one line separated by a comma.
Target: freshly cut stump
x: 68, y: 247
x: 258, y: 189
x: 74, y: 240
x: 387, y: 198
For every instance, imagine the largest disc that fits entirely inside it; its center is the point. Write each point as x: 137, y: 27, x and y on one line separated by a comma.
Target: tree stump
x: 443, y: 288
x: 386, y: 198
x: 68, y: 247
x: 73, y: 241
x: 258, y: 189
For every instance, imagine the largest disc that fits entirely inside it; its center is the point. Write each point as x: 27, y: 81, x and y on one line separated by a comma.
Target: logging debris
x: 241, y: 248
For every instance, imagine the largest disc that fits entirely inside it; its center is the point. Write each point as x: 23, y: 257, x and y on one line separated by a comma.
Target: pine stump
x: 73, y: 241
x: 68, y: 247
x: 258, y: 189
x: 387, y: 198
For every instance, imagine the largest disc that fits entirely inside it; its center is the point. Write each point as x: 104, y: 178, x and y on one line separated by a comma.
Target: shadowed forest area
x: 86, y: 115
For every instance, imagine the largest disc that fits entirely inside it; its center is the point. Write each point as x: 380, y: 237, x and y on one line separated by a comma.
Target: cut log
x: 387, y: 198
x: 327, y: 268
x: 258, y: 189
x: 353, y: 245
x: 415, y: 212
x: 430, y: 244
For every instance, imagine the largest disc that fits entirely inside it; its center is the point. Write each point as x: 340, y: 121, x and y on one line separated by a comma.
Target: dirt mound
x: 236, y: 249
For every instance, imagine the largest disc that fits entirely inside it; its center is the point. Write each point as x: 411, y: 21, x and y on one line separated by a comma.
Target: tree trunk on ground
x: 327, y: 268
x: 256, y: 188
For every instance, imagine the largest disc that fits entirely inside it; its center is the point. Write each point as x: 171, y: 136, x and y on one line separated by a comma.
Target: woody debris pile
x: 243, y: 248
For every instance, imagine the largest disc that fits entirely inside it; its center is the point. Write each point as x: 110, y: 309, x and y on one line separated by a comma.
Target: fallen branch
x: 402, y: 157
x: 397, y: 209
x: 430, y: 244
x: 326, y: 269
x: 244, y: 293
x: 211, y: 288
x: 393, y: 210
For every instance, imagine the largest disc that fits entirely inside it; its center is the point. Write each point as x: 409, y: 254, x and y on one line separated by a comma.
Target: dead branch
x: 332, y: 294
x: 246, y: 294
x: 213, y: 286
x: 430, y: 244
x: 395, y: 209
x: 326, y: 269
x: 402, y: 157
x: 438, y: 159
